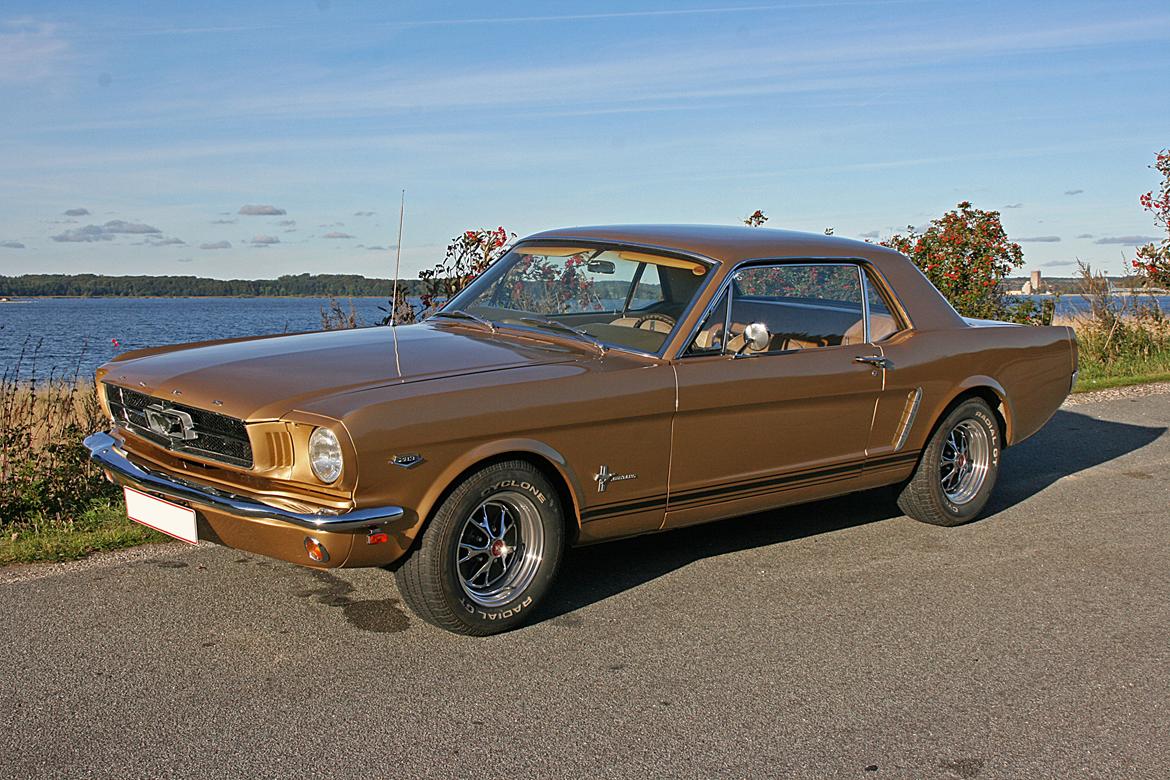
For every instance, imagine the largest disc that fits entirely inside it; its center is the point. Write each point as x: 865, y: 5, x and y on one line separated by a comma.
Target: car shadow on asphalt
x: 1071, y: 442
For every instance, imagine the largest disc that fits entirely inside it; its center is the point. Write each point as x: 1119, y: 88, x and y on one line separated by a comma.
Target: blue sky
x: 863, y: 116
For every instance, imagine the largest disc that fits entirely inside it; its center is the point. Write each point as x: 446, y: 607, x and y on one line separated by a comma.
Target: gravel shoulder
x: 1113, y: 393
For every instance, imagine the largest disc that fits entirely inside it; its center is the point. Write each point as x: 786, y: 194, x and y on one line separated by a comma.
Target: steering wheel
x: 654, y: 317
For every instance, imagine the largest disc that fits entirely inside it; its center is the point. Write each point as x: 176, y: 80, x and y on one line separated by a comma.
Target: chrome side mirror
x: 756, y: 338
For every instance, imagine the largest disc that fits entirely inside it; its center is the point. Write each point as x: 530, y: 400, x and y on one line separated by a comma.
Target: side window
x: 883, y: 323
x: 803, y: 306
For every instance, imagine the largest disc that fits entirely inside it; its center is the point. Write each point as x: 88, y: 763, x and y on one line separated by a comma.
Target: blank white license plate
x: 171, y: 519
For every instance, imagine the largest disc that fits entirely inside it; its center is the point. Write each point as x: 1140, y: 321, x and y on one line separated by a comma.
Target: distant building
x: 1033, y: 285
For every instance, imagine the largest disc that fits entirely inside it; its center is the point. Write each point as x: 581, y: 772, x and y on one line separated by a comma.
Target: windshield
x: 617, y: 297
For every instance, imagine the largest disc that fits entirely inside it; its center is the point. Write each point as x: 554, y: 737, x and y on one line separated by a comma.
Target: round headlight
x: 325, y: 455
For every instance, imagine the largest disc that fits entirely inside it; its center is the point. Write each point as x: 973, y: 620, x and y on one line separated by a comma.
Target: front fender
x: 447, y: 478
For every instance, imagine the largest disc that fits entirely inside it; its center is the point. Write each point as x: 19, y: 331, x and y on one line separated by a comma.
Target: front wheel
x: 957, y: 471
x: 489, y: 554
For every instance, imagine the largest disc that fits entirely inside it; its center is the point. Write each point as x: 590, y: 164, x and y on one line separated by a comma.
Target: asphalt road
x: 832, y: 640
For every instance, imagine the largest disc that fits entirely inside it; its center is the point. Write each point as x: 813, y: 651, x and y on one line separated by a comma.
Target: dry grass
x: 1122, y: 339
x: 51, y: 496
x: 335, y: 317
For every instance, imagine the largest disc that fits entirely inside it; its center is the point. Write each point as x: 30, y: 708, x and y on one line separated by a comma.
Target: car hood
x: 264, y: 378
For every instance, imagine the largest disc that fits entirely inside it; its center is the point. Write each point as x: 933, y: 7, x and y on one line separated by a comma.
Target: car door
x: 781, y: 417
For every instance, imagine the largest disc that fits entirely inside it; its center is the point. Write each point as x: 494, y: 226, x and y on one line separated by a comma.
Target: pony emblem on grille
x: 172, y: 423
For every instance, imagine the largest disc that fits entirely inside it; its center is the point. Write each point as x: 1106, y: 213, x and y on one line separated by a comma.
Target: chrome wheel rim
x: 500, y: 549
x: 964, y: 461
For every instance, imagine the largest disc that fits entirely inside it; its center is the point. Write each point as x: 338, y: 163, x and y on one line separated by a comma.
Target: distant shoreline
x: 145, y: 286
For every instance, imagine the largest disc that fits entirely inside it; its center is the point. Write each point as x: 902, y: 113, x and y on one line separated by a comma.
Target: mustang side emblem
x: 172, y: 423
x: 603, y: 477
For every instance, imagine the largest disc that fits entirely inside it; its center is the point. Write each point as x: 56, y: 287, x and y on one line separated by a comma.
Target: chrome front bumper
x: 103, y: 450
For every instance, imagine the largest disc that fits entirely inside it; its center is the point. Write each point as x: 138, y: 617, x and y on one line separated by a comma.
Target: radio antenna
x: 397, y: 261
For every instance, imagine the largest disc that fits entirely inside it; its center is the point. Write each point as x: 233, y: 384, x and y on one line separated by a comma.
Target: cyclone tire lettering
x: 515, y: 484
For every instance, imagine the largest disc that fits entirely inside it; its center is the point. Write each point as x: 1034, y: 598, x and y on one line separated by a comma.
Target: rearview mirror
x: 601, y: 266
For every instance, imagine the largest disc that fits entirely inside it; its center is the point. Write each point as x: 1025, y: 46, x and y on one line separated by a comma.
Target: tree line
x: 98, y: 285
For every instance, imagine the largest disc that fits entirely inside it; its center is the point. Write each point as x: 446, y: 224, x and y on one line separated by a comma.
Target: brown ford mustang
x: 594, y: 383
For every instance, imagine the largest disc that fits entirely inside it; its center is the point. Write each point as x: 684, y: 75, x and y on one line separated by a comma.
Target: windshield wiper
x: 560, y: 327
x: 460, y: 314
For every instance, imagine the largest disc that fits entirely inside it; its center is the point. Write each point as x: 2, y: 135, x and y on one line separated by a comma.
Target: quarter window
x: 883, y: 323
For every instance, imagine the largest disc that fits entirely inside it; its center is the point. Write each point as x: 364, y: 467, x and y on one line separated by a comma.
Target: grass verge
x: 1087, y: 384
x: 102, y: 526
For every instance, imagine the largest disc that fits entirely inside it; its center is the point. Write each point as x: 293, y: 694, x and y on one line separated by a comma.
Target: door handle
x: 874, y: 360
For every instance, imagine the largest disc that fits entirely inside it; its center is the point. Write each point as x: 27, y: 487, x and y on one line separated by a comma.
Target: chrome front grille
x: 206, y: 435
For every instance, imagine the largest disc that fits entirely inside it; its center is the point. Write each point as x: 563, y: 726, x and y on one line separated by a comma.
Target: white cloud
x: 1128, y: 240
x: 287, y: 222
x: 336, y: 234
x: 11, y: 245
x: 87, y: 234
x: 262, y: 240
x: 1073, y: 192
x: 711, y: 70
x: 260, y: 210
x: 216, y: 245
x: 1014, y: 206
x: 121, y: 226
x: 184, y: 259
x: 224, y: 221
x: 172, y: 241
x: 91, y: 233
x: 76, y: 212
x: 363, y: 213
x: 30, y: 51
x: 1085, y: 235
x: 1039, y: 240
x: 869, y: 234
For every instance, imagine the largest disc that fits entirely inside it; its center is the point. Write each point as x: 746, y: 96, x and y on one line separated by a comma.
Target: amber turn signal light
x: 316, y: 550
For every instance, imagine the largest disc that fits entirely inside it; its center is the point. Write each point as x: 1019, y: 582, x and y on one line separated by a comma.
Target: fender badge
x: 407, y: 461
x: 603, y: 477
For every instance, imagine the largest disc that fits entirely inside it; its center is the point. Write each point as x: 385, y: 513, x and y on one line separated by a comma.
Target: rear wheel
x: 957, y: 471
x: 490, y: 553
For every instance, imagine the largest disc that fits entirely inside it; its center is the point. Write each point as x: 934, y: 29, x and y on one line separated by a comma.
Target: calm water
x: 77, y: 333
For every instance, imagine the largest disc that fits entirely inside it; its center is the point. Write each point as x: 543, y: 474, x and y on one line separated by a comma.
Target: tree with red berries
x: 1152, y: 263
x: 966, y: 254
x: 468, y: 255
